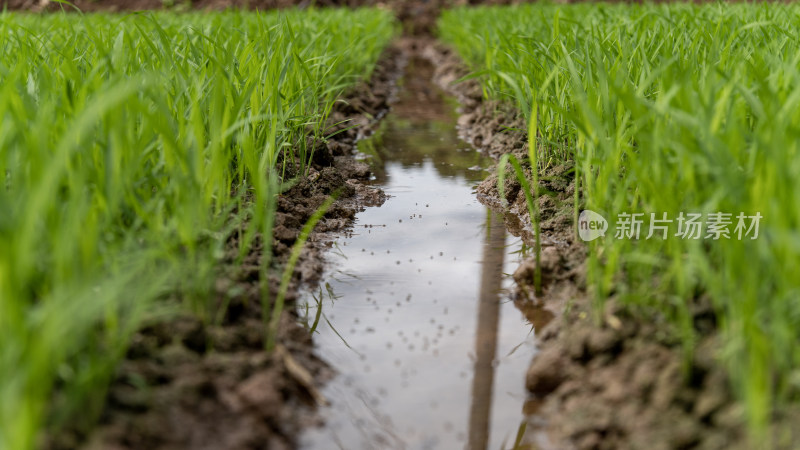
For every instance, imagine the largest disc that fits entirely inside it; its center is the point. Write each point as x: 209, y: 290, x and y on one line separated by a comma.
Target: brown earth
x: 606, y: 379
x: 189, y: 384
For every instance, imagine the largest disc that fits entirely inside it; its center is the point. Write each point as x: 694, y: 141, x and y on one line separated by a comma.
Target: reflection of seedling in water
x: 319, y: 300
x: 524, y: 249
x: 337, y: 250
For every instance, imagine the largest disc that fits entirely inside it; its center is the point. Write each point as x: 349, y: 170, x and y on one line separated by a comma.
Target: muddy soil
x: 603, y: 380
x: 189, y: 384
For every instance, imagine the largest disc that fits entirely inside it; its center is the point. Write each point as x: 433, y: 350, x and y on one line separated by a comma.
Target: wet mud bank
x: 607, y: 379
x: 188, y: 382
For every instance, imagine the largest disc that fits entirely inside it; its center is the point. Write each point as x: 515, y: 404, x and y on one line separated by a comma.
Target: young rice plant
x: 131, y: 147
x: 670, y: 109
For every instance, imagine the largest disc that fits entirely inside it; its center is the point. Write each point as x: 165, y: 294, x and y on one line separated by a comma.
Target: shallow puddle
x: 430, y: 352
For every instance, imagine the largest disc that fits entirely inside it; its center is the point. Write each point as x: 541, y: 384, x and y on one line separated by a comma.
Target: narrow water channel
x: 416, y: 320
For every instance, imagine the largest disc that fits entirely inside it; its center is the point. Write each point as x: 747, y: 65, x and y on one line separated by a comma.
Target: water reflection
x: 430, y: 351
x: 486, y: 334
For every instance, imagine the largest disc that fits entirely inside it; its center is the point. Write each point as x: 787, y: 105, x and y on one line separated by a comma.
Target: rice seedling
x: 131, y: 148
x: 667, y: 111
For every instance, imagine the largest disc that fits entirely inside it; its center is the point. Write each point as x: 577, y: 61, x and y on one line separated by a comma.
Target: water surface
x: 430, y: 352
